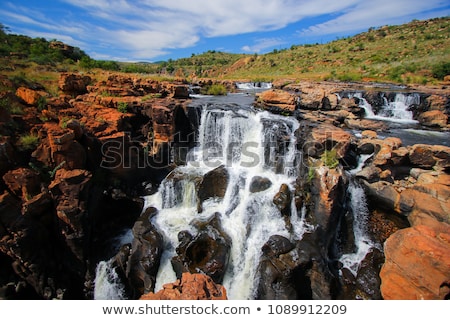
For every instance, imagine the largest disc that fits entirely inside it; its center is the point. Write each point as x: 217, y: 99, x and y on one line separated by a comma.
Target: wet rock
x: 207, y: 252
x: 213, y: 185
x: 190, y: 287
x: 417, y: 264
x: 277, y: 245
x: 282, y: 200
x: 259, y: 184
x: 143, y: 262
x: 366, y: 284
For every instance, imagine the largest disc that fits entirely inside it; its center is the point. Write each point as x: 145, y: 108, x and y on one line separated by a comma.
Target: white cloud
x: 263, y: 44
x: 375, y: 13
x: 145, y: 29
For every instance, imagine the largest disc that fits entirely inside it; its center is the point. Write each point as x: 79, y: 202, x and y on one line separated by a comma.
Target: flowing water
x: 397, y: 110
x: 249, y: 144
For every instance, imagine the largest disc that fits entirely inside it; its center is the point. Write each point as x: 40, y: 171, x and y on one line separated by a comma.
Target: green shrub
x: 441, y: 70
x: 28, y: 142
x: 216, y: 90
x: 122, y: 107
x: 329, y: 158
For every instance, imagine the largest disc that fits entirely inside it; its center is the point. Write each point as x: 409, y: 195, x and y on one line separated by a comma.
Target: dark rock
x: 207, y: 252
x: 23, y: 182
x: 383, y: 195
x: 213, y: 185
x: 283, y: 200
x: 366, y: 284
x: 143, y: 262
x: 277, y: 245
x: 259, y: 184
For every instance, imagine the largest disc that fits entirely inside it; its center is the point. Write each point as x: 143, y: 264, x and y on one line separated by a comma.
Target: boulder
x: 383, y: 194
x: 23, y: 182
x: 277, y: 101
x: 30, y: 96
x: 208, y: 251
x: 146, y: 250
x: 259, y: 184
x: 213, y: 185
x: 417, y: 264
x: 190, y: 287
x: 282, y: 200
x: 327, y: 137
x: 427, y: 156
x: 73, y: 84
x: 433, y: 118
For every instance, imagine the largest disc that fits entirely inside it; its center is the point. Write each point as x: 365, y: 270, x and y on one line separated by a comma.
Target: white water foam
x: 247, y: 143
x: 107, y: 283
x: 393, y: 111
x: 253, y: 85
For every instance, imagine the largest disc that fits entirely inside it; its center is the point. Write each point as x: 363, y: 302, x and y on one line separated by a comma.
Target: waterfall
x: 253, y: 85
x: 394, y: 111
x: 398, y: 110
x: 107, y: 283
x: 360, y: 212
x: 249, y: 144
x: 358, y: 207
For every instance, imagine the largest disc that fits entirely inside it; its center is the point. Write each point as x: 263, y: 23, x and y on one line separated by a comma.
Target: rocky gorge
x: 135, y: 188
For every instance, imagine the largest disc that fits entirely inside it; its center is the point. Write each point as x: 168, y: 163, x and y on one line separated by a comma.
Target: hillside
x: 413, y: 53
x: 417, y: 52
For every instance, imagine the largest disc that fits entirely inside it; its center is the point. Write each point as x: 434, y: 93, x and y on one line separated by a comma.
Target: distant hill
x: 416, y: 52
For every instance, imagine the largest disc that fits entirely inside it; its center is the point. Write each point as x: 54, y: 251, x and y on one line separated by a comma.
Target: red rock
x: 30, y: 96
x: 417, y: 263
x: 433, y: 118
x: 329, y: 135
x: 23, y: 182
x: 191, y: 287
x: 73, y: 84
x: 278, y: 99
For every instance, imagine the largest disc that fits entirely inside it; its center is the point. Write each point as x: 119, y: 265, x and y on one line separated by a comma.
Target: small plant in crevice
x: 330, y: 159
x: 122, y: 107
x: 28, y: 142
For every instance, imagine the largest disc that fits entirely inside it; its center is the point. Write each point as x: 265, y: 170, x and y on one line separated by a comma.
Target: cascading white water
x: 394, y: 111
x: 358, y: 204
x: 399, y: 108
x: 248, y: 144
x: 358, y: 207
x: 253, y: 85
x: 107, y: 283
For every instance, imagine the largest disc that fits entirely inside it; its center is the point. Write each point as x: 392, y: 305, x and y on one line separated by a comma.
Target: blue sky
x: 151, y: 30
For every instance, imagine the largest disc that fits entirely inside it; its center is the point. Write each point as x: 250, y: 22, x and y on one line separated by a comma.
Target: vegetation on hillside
x: 417, y: 52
